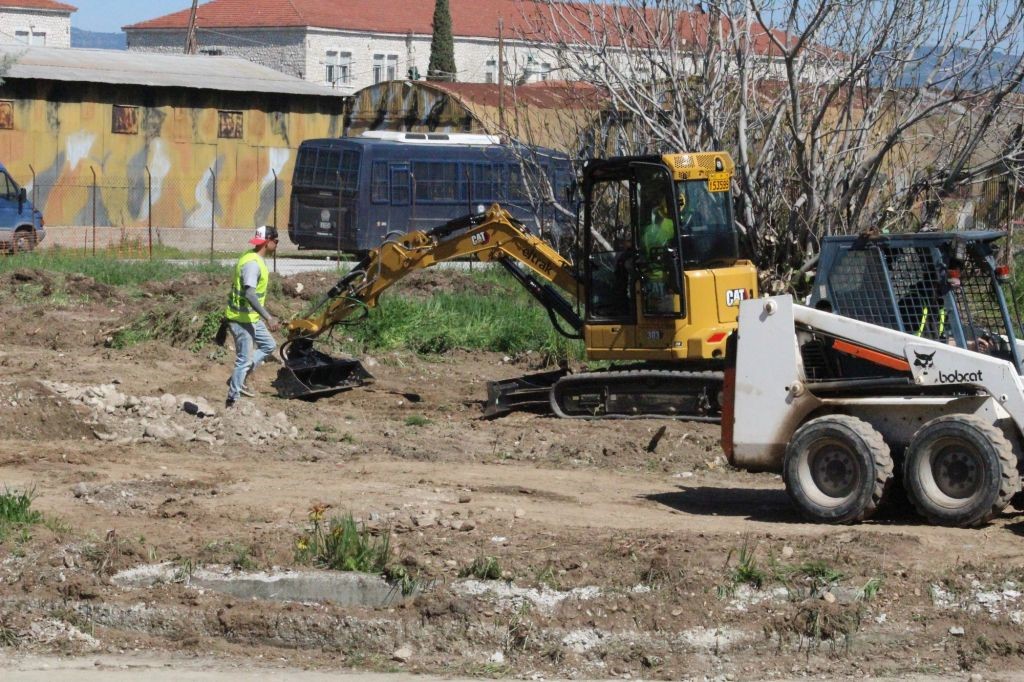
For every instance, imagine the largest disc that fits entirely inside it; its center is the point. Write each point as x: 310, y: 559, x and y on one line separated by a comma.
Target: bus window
x: 435, y: 181
x: 379, y: 182
x: 484, y: 179
x: 400, y: 185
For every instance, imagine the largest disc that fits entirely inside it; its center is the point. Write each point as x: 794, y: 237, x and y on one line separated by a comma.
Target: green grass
x: 192, y: 327
x: 416, y: 420
x: 482, y: 568
x: 16, y: 514
x: 500, y: 317
x: 105, y: 269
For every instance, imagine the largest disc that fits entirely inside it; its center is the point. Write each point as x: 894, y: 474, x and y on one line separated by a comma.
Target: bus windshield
x: 327, y: 168
x: 706, y: 224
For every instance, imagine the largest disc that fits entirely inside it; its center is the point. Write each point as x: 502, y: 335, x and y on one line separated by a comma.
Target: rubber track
x: 611, y: 376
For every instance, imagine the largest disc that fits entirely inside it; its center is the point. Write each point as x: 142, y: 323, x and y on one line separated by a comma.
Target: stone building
x: 354, y: 44
x: 36, y: 22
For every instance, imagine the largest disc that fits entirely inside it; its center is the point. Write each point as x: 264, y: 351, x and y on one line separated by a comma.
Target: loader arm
x: 492, y: 236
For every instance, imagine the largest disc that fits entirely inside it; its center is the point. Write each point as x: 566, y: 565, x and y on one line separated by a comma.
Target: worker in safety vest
x: 248, y: 320
x: 659, y: 233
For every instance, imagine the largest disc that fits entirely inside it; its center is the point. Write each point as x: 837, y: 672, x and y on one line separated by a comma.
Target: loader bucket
x: 309, y: 374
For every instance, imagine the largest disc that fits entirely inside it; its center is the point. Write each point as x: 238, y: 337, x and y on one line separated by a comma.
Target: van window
x: 8, y: 189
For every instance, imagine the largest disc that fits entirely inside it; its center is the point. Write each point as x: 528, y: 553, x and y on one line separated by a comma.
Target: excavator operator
x: 654, y: 237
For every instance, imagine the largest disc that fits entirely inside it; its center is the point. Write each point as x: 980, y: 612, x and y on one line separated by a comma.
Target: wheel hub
x: 834, y: 471
x: 956, y: 472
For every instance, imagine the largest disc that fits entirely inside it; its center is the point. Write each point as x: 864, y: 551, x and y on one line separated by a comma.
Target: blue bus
x: 349, y: 193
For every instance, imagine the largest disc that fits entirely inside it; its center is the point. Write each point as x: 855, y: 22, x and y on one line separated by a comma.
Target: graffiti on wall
x: 187, y: 162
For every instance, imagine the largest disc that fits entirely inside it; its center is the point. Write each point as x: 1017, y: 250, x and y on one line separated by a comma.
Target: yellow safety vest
x: 238, y: 309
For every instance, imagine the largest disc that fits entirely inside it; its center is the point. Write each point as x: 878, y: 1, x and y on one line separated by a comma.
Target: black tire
x: 960, y: 471
x: 24, y: 240
x: 837, y: 469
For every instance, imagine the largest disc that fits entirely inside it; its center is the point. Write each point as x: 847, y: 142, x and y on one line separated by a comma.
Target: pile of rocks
x: 125, y: 419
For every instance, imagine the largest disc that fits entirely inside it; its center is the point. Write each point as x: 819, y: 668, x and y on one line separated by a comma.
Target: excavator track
x: 639, y: 394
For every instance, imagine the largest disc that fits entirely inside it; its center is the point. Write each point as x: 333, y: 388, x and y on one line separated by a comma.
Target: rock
x: 829, y: 598
x: 425, y: 520
x: 370, y: 361
x: 465, y: 499
x: 787, y: 552
x: 496, y: 657
x: 451, y: 563
x: 80, y: 490
x: 956, y: 631
x: 402, y: 653
x: 158, y: 431
x: 975, y: 677
x: 519, y: 513
x: 457, y: 524
x: 467, y: 525
x: 168, y: 401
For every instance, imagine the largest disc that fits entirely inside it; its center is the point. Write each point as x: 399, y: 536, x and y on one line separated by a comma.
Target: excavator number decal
x: 479, y: 238
x: 718, y: 183
x: 734, y: 296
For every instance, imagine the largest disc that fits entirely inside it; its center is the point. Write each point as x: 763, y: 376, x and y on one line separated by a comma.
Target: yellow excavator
x: 657, y: 289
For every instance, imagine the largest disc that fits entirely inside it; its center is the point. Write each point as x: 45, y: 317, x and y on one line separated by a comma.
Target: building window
x: 125, y: 120
x: 544, y: 72
x: 339, y: 67
x: 31, y: 36
x: 6, y: 114
x: 385, y: 67
x: 229, y: 125
x: 491, y: 71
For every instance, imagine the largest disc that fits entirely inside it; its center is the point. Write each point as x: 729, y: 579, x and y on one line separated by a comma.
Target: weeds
x: 870, y: 589
x: 105, y: 269
x: 482, y: 568
x: 16, y: 514
x: 518, y: 631
x: 416, y: 420
x: 746, y: 572
x: 340, y: 544
x: 193, y: 326
x: 816, y: 621
x: 8, y: 635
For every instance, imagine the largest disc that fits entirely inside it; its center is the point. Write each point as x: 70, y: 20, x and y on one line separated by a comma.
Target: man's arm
x: 250, y: 277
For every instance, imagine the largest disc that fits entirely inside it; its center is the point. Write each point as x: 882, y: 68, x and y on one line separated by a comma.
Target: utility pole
x: 191, y: 44
x: 501, y: 76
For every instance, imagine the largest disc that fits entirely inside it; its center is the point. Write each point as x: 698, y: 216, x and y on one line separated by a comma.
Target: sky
x: 109, y: 16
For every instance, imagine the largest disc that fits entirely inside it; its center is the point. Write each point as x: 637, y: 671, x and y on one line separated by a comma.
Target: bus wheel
x: 960, y: 471
x: 837, y: 469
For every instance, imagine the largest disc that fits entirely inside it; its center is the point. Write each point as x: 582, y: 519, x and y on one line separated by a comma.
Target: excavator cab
x: 662, y: 269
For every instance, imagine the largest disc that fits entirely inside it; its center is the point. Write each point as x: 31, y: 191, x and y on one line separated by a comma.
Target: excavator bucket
x: 310, y: 374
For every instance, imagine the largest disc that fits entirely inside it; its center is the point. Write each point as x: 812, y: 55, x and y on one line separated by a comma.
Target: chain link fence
x: 150, y: 215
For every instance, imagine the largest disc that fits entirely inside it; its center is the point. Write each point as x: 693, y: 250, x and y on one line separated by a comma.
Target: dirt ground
x: 620, y: 552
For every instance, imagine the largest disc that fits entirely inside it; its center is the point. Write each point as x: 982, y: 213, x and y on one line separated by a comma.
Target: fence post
x: 275, y: 215
x: 33, y: 172
x: 337, y: 228
x: 149, y: 211
x: 93, y: 169
x: 213, y: 210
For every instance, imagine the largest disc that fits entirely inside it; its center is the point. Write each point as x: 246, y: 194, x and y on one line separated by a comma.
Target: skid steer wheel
x: 837, y: 469
x: 960, y: 471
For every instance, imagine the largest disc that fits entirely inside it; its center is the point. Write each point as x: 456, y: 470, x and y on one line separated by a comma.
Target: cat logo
x: 479, y: 238
x: 734, y: 296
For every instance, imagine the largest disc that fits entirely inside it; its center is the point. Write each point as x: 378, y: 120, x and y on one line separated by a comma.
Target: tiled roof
x: 470, y: 18
x: 38, y: 4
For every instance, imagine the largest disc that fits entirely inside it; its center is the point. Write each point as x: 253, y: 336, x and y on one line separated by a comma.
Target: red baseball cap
x: 263, y: 235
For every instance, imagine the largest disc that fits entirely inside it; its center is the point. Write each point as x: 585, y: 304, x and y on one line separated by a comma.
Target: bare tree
x: 841, y: 116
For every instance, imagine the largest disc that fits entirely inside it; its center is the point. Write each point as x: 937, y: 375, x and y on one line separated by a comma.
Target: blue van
x: 21, y: 225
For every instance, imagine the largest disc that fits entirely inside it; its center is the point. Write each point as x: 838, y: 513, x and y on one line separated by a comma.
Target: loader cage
x: 940, y: 286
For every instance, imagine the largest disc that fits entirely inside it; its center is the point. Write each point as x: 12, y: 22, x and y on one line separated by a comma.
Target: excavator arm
x: 492, y: 236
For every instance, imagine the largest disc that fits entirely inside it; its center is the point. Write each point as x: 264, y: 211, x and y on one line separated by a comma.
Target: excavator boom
x: 492, y: 236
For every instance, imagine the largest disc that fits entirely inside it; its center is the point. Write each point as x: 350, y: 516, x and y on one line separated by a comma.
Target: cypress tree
x: 442, y: 45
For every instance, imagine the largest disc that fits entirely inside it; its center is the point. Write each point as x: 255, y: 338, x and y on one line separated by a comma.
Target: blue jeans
x: 244, y: 335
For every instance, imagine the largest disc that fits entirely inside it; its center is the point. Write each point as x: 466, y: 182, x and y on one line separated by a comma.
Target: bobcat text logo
x: 923, y: 359
x: 956, y: 377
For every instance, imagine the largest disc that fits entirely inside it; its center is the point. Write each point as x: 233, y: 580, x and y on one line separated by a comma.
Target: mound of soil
x: 427, y: 283
x: 83, y: 285
x: 23, y: 276
x: 30, y: 411
x: 187, y: 285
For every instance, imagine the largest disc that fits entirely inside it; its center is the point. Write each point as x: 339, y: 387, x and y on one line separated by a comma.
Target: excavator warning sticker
x: 479, y: 238
x: 718, y: 182
x: 734, y: 296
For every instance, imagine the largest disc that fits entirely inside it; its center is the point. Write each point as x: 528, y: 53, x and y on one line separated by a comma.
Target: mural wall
x: 181, y: 157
